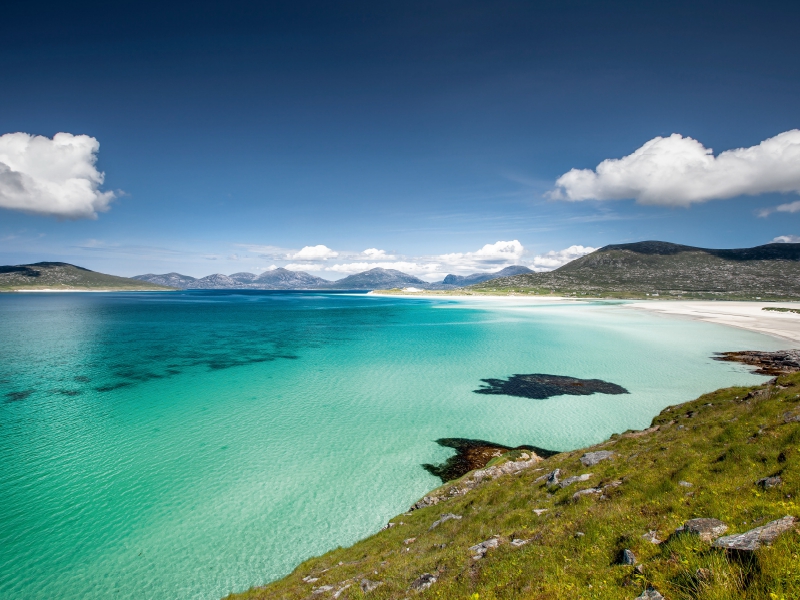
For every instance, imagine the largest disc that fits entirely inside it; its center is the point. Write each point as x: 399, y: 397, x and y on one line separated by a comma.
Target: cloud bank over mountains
x: 52, y: 177
x: 330, y: 263
x: 680, y: 171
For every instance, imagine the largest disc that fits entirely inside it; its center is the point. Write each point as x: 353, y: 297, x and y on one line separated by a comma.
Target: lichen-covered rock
x: 628, y: 558
x: 650, y: 594
x: 706, y: 529
x: 652, y: 537
x: 574, y: 479
x: 423, y: 582
x: 479, y: 550
x: 753, y: 539
x: 766, y: 483
x: 368, y: 586
x: 592, y: 458
x: 445, y: 517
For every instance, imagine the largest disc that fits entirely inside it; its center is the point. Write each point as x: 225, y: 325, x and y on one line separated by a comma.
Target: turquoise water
x: 192, y: 444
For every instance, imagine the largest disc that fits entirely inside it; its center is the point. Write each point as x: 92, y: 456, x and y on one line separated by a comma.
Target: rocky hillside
x: 63, y: 276
x: 464, y: 280
x: 701, y: 505
x: 646, y: 268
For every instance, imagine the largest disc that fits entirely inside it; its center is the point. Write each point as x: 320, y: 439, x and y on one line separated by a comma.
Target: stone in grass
x: 650, y: 594
x: 766, y: 483
x: 368, y: 586
x: 442, y: 519
x: 574, y: 479
x: 550, y: 478
x: 540, y: 511
x: 753, y: 539
x: 592, y: 458
x: 685, y: 484
x: 322, y: 589
x: 652, y: 537
x: 516, y: 542
x: 627, y: 558
x: 480, y: 550
x: 423, y: 582
x: 706, y: 529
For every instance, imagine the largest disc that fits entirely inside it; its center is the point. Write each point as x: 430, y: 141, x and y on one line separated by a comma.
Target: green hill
x: 66, y: 277
x: 636, y: 270
x: 732, y: 455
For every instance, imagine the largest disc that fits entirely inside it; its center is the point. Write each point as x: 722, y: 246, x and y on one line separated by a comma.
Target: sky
x: 431, y: 137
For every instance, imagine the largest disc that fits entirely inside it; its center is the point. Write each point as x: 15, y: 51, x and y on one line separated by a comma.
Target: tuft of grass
x: 721, y: 443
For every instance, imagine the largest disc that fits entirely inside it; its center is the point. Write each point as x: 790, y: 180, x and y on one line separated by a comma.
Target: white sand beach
x: 745, y: 315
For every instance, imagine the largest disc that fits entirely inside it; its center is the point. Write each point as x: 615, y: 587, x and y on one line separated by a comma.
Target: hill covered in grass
x: 66, y: 277
x: 637, y: 270
x: 602, y: 522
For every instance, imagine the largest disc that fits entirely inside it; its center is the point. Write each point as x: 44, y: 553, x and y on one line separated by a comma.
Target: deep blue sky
x: 420, y: 128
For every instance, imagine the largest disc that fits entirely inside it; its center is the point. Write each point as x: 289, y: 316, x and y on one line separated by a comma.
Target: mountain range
x: 283, y: 279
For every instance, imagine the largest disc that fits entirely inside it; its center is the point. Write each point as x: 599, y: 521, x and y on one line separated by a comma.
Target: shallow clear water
x: 192, y: 444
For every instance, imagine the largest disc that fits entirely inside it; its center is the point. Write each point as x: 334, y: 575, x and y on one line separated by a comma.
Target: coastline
x: 743, y: 315
x: 748, y: 315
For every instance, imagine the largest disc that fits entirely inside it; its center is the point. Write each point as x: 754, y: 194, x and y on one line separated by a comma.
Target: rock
x: 753, y: 539
x: 310, y: 579
x: 516, y: 542
x: 650, y: 594
x: 322, y: 589
x: 639, y: 569
x: 550, y: 479
x: 769, y: 482
x: 338, y: 592
x: 409, y: 541
x: 367, y: 585
x: 574, y: 479
x: 586, y: 492
x: 642, y: 433
x: 480, y: 550
x: 579, y: 534
x: 628, y: 558
x: 540, y: 511
x: 423, y: 582
x: 685, y: 484
x: 706, y: 529
x: 592, y: 458
x: 442, y: 519
x: 789, y: 417
x: 652, y: 537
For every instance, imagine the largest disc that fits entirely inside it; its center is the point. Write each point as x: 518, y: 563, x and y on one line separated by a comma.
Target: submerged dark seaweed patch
x: 17, y: 396
x: 540, y: 386
x: 114, y: 386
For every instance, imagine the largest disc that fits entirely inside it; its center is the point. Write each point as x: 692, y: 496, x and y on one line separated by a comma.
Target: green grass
x: 782, y: 309
x: 66, y: 277
x: 735, y: 437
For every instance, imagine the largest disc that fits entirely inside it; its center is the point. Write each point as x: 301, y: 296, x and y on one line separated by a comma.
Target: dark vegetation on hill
x: 608, y: 522
x: 63, y: 276
x: 771, y: 272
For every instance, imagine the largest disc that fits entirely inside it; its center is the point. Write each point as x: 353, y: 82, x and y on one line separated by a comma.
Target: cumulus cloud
x: 490, y: 254
x: 786, y: 239
x: 318, y: 252
x: 680, y: 171
x: 54, y: 177
x: 375, y: 254
x: 558, y: 258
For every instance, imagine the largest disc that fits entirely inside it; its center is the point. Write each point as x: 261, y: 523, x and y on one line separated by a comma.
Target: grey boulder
x: 753, y: 539
x: 592, y: 458
x: 706, y: 529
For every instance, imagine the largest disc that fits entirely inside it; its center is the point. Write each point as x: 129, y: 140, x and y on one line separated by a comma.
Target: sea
x: 192, y: 444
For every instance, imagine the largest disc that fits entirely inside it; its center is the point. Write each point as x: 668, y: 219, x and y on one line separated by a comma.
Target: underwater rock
x: 540, y: 386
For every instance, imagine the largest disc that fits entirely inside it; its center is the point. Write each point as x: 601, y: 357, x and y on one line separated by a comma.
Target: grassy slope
x: 63, y: 276
x: 634, y: 270
x: 735, y: 437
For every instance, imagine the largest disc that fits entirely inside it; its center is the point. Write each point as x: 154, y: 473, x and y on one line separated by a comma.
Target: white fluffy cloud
x: 490, y: 254
x: 375, y: 254
x: 789, y: 207
x: 318, y: 252
x: 558, y: 258
x: 54, y: 177
x: 786, y: 239
x: 679, y: 171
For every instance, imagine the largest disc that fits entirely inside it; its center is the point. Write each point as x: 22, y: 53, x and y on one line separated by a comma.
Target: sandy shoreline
x: 744, y: 315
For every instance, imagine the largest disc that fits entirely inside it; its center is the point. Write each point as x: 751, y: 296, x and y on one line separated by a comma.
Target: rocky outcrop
x: 705, y: 529
x: 592, y: 458
x: 479, y: 550
x: 755, y: 538
x: 474, y: 454
x: 423, y: 582
x: 767, y: 363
